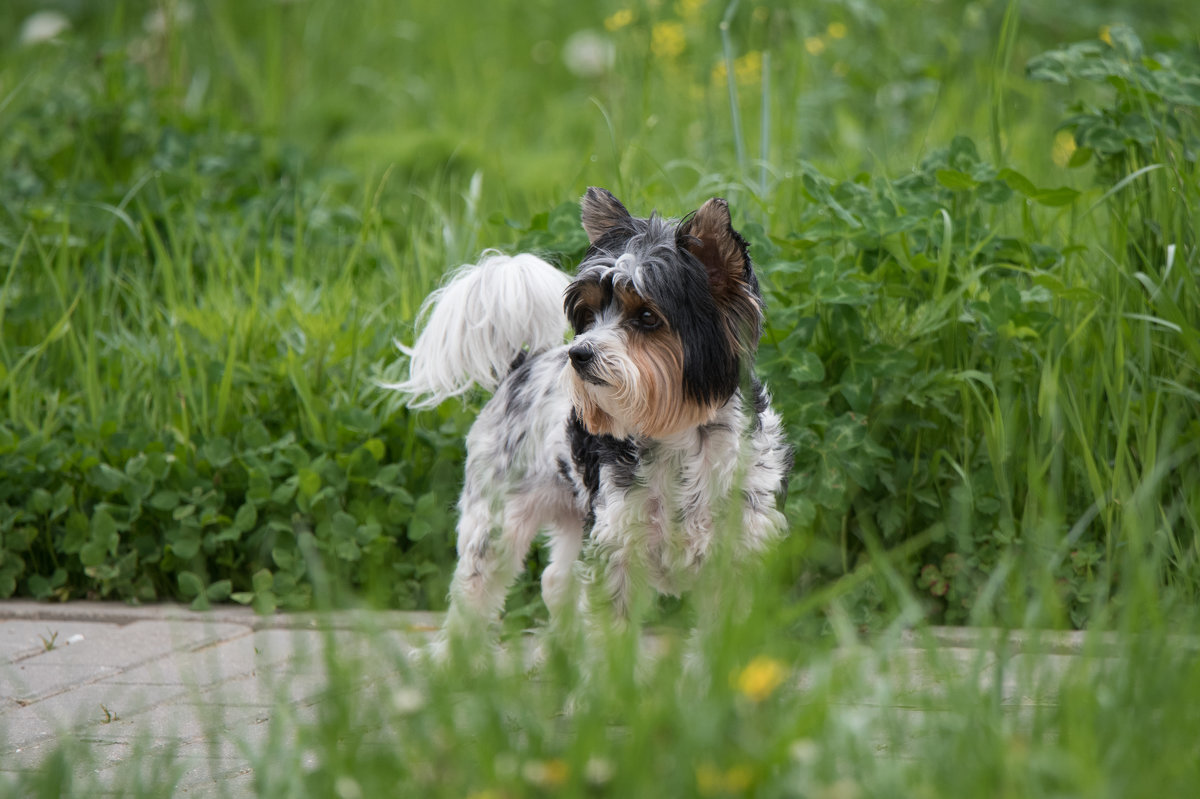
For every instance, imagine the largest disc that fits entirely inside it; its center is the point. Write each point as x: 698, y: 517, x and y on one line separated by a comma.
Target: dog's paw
x: 435, y: 654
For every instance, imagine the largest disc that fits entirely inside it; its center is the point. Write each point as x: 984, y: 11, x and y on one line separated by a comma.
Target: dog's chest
x: 671, y: 504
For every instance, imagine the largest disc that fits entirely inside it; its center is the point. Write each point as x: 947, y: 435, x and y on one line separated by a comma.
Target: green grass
x: 213, y: 229
x: 978, y: 246
x: 783, y: 706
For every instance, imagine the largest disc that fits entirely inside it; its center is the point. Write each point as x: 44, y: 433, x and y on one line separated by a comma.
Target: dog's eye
x: 584, y: 319
x: 647, y: 320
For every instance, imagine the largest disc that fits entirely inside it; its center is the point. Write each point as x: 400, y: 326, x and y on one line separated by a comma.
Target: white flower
x: 161, y: 19
x: 588, y: 54
x: 407, y: 701
x: 347, y: 788
x: 805, y: 751
x: 43, y: 26
x: 598, y: 771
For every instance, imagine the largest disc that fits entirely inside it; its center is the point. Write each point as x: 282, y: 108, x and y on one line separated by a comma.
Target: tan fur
x: 661, y: 407
x: 715, y: 245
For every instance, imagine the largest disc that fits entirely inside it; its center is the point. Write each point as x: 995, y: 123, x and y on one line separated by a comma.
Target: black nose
x: 581, y: 355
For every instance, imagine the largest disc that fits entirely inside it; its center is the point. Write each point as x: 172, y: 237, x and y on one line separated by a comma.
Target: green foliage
x: 1155, y: 99
x: 931, y: 328
x: 984, y: 340
x: 170, y: 428
x: 210, y: 237
x: 119, y: 512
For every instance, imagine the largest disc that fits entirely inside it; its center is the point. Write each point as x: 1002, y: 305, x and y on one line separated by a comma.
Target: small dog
x: 645, y: 439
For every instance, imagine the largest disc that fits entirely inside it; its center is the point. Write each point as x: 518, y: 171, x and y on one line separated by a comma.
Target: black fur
x: 590, y: 453
x: 517, y: 399
x: 678, y: 284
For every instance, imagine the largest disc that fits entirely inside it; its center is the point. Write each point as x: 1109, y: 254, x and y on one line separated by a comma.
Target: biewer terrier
x: 645, y: 441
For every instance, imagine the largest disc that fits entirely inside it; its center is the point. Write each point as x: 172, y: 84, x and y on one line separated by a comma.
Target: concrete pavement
x: 126, y: 680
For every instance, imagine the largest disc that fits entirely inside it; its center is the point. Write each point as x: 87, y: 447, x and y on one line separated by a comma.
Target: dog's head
x: 667, y: 316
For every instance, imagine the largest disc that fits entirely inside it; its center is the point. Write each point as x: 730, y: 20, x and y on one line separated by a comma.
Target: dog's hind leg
x: 491, y: 550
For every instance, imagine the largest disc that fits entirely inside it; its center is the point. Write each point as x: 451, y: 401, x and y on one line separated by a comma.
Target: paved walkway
x: 124, y: 680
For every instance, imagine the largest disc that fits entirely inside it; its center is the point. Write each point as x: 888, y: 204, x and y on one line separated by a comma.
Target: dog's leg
x: 560, y: 591
x: 491, y: 549
x: 613, y: 567
x: 559, y: 587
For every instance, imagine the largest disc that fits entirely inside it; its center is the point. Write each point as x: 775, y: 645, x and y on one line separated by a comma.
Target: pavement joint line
x: 991, y: 655
x: 1034, y: 641
x: 123, y: 614
x: 195, y: 647
x: 102, y: 677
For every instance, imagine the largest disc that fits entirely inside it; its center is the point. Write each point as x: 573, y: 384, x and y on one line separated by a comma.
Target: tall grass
x: 213, y: 226
x: 220, y: 217
x: 751, y: 707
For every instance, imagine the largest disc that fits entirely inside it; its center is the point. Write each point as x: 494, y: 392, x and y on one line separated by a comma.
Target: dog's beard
x: 641, y: 396
x: 597, y: 402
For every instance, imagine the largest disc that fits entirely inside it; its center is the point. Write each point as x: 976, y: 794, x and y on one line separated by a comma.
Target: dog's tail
x: 473, y: 328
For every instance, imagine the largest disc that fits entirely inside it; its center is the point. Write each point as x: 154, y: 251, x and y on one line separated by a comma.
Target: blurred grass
x: 765, y: 710
x: 214, y: 219
x: 223, y: 213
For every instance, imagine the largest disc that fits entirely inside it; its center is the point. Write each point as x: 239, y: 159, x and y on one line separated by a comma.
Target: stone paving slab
x: 29, y: 681
x: 21, y: 639
x: 204, y: 687
x: 125, y: 681
x: 141, y: 641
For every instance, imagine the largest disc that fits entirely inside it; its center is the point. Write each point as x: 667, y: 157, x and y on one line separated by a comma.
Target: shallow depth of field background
x: 975, y: 226
x: 979, y: 260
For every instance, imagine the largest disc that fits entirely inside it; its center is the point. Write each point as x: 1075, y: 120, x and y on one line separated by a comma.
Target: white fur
x: 698, y: 493
x: 473, y: 327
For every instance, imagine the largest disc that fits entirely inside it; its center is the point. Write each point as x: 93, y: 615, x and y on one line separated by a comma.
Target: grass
x: 979, y: 262
x: 802, y: 707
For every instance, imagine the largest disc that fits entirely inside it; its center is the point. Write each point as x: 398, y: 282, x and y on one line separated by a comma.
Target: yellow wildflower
x: 815, y: 45
x: 738, y: 779
x: 747, y: 69
x: 667, y: 39
x: 1106, y: 35
x: 551, y: 773
x: 836, y: 30
x: 711, y: 781
x: 1063, y: 147
x: 690, y: 9
x: 619, y: 20
x: 760, y: 678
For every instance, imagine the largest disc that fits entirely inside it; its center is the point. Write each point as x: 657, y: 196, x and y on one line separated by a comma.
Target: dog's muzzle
x: 583, y: 360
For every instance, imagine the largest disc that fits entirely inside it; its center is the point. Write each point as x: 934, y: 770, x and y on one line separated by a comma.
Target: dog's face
x: 667, y: 315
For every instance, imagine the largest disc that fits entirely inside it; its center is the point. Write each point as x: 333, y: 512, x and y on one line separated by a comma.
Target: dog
x: 645, y: 444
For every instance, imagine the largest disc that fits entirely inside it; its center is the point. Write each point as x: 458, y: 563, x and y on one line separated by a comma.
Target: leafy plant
x: 1151, y: 122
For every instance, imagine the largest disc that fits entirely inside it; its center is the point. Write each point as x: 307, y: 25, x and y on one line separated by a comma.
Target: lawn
x: 975, y: 225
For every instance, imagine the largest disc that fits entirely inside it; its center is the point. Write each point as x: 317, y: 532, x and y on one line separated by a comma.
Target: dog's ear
x: 601, y: 212
x: 708, y: 234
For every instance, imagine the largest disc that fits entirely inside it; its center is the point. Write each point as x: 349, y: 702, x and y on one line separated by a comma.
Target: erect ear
x: 708, y: 234
x: 601, y: 212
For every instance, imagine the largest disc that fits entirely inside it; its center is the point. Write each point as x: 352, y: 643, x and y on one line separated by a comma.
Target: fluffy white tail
x: 474, y: 327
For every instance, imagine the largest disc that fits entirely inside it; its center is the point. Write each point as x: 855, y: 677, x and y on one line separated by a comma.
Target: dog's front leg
x: 615, y: 561
x: 558, y: 578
